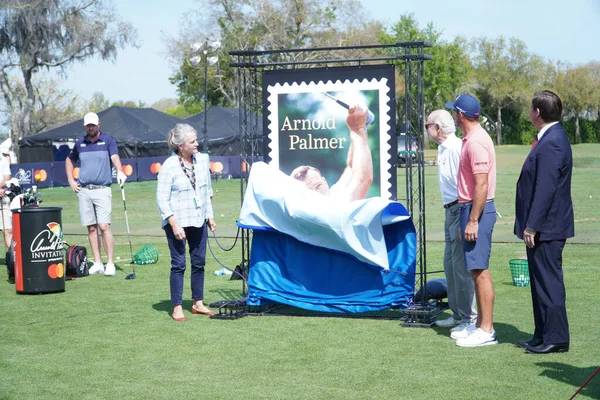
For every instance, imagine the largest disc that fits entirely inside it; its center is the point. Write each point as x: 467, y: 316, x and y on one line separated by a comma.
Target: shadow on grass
x: 226, y: 294
x: 511, y: 284
x: 166, y: 306
x: 125, y: 267
x: 506, y: 333
x: 575, y: 376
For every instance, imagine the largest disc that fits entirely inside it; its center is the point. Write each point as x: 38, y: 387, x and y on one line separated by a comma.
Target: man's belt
x: 93, y: 187
x: 455, y: 202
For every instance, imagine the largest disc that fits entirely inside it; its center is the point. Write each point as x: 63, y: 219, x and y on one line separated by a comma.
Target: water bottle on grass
x: 222, y: 271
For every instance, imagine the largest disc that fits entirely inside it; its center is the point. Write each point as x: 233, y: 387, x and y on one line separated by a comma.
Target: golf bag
x: 10, y: 265
x: 77, y: 261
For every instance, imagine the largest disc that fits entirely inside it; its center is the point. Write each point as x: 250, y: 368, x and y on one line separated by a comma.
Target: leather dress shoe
x: 179, y: 319
x: 531, y: 342
x: 548, y: 348
x: 196, y: 311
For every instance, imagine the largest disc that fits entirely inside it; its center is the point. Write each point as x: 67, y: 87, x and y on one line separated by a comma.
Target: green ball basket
x: 147, y: 255
x: 519, y: 269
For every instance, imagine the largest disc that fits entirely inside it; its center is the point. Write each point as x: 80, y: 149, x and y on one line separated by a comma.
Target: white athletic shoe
x: 447, y: 323
x: 110, y: 270
x: 466, y: 330
x: 478, y: 338
x: 460, y: 326
x: 97, y: 268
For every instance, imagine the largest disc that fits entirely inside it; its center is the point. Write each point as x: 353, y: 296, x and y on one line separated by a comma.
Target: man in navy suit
x: 544, y: 220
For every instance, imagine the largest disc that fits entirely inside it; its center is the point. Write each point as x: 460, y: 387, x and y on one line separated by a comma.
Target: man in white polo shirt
x: 461, y: 288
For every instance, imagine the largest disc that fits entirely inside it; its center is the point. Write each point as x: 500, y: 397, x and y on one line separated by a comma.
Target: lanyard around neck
x: 190, y: 173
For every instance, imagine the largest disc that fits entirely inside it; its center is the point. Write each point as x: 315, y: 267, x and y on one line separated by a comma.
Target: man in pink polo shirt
x: 476, y: 189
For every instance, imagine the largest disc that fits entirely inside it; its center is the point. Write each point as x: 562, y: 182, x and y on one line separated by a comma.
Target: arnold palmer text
x: 310, y: 142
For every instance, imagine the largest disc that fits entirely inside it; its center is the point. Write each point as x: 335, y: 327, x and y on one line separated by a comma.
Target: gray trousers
x: 461, y: 286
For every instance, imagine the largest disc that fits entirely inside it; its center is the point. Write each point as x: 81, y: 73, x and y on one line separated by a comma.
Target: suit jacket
x: 543, y: 202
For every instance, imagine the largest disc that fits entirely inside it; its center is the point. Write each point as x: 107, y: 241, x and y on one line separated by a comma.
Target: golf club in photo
x: 132, y: 274
x: 370, y: 115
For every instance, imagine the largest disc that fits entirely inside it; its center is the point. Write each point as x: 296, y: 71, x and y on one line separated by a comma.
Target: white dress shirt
x: 544, y: 129
x: 448, y: 160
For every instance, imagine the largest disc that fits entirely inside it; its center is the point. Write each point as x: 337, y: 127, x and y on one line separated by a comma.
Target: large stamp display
x: 305, y: 116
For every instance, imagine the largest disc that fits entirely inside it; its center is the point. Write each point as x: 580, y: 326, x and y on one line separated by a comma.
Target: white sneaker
x: 447, y: 323
x: 478, y: 338
x: 110, y: 270
x: 460, y: 326
x: 464, y: 332
x: 97, y: 268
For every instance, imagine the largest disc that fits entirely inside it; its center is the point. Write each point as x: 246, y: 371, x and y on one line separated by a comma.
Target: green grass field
x: 111, y: 338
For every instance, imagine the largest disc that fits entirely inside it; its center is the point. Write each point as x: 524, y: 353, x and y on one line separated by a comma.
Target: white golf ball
x: 590, y: 197
x: 118, y: 258
x: 222, y: 215
x: 217, y: 190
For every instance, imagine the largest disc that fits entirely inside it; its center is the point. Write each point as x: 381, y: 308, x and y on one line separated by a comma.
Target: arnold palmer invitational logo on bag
x: 47, y: 245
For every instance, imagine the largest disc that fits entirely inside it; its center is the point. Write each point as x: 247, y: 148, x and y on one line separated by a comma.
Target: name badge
x: 197, y: 203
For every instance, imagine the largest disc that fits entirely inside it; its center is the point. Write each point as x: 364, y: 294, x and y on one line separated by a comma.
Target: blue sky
x: 555, y: 29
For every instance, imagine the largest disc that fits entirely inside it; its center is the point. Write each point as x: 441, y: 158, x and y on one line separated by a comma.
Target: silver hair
x: 178, y: 135
x: 444, y: 120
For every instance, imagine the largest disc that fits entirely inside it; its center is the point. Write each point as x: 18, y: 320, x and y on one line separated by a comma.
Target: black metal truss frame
x: 409, y: 56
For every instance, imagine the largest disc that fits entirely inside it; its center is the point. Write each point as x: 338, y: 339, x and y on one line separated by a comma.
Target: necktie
x: 535, y: 141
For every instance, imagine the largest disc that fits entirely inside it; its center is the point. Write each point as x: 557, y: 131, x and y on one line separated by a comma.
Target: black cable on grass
x: 233, y: 271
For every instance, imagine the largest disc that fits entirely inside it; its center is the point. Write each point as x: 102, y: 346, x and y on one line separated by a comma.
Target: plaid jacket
x: 175, y: 194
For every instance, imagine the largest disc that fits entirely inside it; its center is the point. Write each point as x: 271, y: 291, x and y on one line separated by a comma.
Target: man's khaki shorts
x: 95, y: 206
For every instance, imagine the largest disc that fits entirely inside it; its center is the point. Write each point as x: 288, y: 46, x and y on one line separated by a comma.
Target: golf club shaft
x: 127, y: 224
x: 369, y: 118
x: 346, y: 106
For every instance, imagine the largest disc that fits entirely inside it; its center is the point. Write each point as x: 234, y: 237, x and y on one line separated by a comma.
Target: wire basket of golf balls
x: 147, y: 255
x: 519, y: 270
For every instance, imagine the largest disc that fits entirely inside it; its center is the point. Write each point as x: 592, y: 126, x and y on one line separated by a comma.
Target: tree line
x: 38, y: 36
x: 500, y: 71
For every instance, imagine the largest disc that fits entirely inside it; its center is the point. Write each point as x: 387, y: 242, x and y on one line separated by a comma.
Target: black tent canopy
x: 223, y: 127
x: 139, y: 132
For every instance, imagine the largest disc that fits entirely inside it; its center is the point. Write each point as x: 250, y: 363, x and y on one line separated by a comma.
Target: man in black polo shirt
x: 95, y: 152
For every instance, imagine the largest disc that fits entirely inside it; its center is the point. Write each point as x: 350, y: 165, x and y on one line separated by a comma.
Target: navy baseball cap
x: 465, y: 104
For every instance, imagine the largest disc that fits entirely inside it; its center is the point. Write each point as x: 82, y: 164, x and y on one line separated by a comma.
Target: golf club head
x: 130, y: 276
